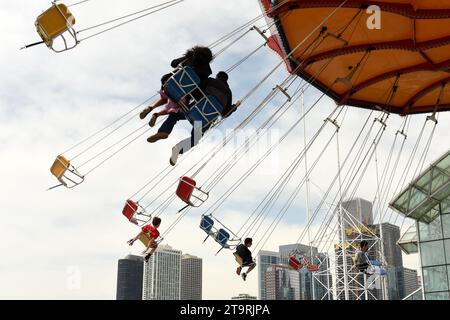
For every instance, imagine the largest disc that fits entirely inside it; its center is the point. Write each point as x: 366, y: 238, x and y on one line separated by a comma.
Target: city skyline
x: 298, y: 284
x: 168, y: 275
x: 291, y: 284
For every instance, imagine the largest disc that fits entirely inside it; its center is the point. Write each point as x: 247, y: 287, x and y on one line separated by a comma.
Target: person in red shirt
x: 151, y: 230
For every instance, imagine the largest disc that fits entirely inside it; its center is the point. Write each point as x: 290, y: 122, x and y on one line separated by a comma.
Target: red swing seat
x: 185, y: 192
x: 295, y: 263
x: 185, y: 189
x: 313, y: 268
x: 129, y: 211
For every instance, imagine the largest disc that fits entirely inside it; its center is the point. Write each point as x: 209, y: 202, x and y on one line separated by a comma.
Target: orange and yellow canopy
x: 398, y: 60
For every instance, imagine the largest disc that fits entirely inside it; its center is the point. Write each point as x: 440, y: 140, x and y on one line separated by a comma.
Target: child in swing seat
x: 171, y: 106
x: 198, y: 58
x: 151, y: 230
x: 244, y: 253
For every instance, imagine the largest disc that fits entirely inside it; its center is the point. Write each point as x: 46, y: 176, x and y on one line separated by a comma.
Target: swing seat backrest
x: 238, y: 259
x: 129, y: 210
x: 185, y: 189
x: 222, y: 237
x: 183, y: 82
x: 205, y: 111
x: 143, y: 237
x: 60, y: 167
x: 375, y: 262
x: 206, y: 224
x: 313, y: 268
x: 54, y: 22
x: 295, y: 263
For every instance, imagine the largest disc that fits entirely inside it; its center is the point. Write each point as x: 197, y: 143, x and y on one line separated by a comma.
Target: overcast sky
x: 49, y: 102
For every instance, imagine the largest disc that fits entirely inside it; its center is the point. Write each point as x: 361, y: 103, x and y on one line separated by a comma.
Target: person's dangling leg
x: 155, y: 117
x: 252, y: 266
x: 150, y: 108
x: 167, y: 127
x: 185, y: 145
x: 151, y: 245
x: 180, y: 148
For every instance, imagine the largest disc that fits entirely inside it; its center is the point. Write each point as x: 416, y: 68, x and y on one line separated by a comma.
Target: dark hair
x: 222, y: 75
x: 248, y: 241
x: 363, y: 244
x: 198, y: 54
x: 156, y: 221
x: 164, y: 79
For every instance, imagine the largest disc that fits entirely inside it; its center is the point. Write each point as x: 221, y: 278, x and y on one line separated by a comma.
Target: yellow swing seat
x: 238, y: 259
x: 59, y: 170
x: 144, y: 239
x: 60, y: 167
x: 53, y: 23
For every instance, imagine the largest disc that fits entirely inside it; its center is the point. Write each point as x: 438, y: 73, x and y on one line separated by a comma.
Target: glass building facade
x: 265, y: 260
x: 162, y: 275
x: 434, y: 248
x: 427, y: 200
x: 191, y: 277
x: 282, y: 283
x: 130, y: 278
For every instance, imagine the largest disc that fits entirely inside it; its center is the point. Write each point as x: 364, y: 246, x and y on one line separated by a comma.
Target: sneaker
x: 238, y: 271
x: 244, y: 276
x: 147, y: 256
x: 157, y: 136
x: 174, y: 157
x: 145, y: 112
x: 153, y: 120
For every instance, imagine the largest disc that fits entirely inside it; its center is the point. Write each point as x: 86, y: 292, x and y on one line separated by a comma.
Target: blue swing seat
x: 183, y: 82
x: 222, y: 237
x: 205, y: 112
x: 206, y: 224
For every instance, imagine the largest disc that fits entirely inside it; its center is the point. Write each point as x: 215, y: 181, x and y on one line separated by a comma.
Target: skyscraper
x: 162, y: 274
x: 265, y: 259
x: 393, y: 257
x: 282, y: 283
x: 129, y: 278
x: 411, y: 281
x: 191, y: 278
x: 360, y: 211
